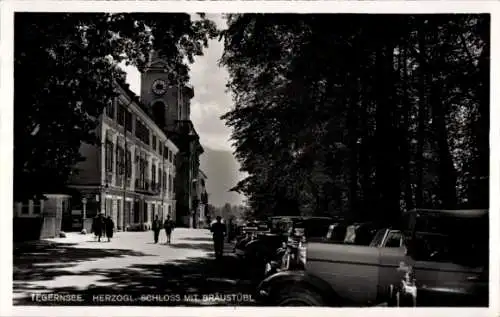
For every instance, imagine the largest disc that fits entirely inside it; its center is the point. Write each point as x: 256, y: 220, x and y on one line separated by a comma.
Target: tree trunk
x: 387, y: 177
x: 478, y: 192
x: 447, y: 171
x: 421, y: 119
x: 352, y: 126
x: 405, y: 139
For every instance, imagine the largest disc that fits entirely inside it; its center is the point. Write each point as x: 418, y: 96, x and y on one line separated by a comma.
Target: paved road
x: 131, y: 266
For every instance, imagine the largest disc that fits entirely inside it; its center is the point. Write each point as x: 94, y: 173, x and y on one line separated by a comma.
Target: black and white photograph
x: 251, y: 159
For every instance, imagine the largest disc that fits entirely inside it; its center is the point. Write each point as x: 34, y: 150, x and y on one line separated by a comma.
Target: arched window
x: 159, y: 113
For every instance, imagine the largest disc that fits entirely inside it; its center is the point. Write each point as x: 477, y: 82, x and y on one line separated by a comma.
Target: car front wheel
x: 299, y: 297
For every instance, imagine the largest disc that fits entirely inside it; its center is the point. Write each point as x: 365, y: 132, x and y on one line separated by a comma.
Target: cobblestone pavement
x: 131, y: 269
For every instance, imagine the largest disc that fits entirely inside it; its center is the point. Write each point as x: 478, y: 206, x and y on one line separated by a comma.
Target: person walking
x: 169, y: 227
x: 219, y: 231
x: 156, y: 228
x: 99, y: 227
x: 94, y: 226
x: 110, y: 226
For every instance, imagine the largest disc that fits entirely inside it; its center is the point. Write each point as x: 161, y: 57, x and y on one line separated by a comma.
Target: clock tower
x: 161, y: 95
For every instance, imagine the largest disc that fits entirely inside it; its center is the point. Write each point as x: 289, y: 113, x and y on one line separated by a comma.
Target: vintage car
x: 264, y: 246
x: 248, y: 234
x: 447, y: 260
x: 386, y: 272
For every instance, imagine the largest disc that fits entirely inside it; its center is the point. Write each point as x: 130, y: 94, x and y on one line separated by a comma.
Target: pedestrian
x: 110, y: 226
x: 94, y: 226
x: 156, y: 228
x: 99, y: 227
x: 169, y: 227
x: 218, y: 231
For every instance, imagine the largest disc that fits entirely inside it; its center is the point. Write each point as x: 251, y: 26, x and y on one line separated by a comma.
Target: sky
x: 210, y: 99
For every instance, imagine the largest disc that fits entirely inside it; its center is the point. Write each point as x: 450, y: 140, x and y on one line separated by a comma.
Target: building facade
x: 130, y: 175
x: 171, y: 108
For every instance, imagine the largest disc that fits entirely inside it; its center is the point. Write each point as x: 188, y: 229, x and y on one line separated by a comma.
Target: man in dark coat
x: 169, y: 227
x: 156, y: 228
x: 94, y: 226
x: 110, y: 226
x: 219, y: 231
x: 99, y: 227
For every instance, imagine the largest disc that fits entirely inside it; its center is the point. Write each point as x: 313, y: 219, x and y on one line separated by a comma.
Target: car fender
x: 268, y: 288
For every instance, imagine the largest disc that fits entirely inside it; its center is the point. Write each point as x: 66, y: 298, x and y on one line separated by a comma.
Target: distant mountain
x: 223, y: 173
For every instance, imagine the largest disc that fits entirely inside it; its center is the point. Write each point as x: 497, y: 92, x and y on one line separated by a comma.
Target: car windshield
x: 451, y: 238
x: 379, y: 237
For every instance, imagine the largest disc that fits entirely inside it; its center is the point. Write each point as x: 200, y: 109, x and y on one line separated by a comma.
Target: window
x: 165, y: 152
x: 393, y: 240
x: 160, y: 148
x: 110, y: 110
x: 128, y: 121
x: 145, y: 212
x: 120, y: 115
x: 109, y: 156
x: 141, y: 132
x: 170, y: 183
x: 120, y: 161
x: 159, y: 113
x: 160, y: 174
x: 153, y: 173
x: 25, y: 208
x: 37, y: 207
x: 164, y: 181
x: 169, y: 156
x: 152, y: 210
x: 129, y: 163
x: 154, y: 143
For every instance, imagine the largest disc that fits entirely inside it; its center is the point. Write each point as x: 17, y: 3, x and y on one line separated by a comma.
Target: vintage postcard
x: 222, y: 158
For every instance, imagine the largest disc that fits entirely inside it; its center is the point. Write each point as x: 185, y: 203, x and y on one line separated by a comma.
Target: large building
x: 145, y: 165
x: 130, y: 175
x: 171, y: 108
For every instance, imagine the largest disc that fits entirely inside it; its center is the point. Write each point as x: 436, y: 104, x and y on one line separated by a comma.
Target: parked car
x: 447, y: 260
x: 359, y: 275
x: 248, y: 234
x: 284, y: 230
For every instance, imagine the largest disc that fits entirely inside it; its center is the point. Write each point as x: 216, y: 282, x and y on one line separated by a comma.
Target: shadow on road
x: 44, y: 262
x: 205, y: 239
x: 192, y: 246
x: 199, y: 275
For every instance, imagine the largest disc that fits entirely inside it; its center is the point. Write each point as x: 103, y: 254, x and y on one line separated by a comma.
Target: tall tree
x: 337, y: 113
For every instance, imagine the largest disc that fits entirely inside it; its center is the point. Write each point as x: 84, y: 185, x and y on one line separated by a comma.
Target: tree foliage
x: 365, y: 115
x: 65, y: 68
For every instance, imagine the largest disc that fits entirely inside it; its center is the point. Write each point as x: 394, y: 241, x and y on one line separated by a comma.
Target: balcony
x: 155, y: 188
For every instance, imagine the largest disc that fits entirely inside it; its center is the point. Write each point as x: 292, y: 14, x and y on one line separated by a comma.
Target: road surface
x: 129, y: 270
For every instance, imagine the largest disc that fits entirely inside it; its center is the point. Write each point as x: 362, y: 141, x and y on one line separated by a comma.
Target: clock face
x: 159, y: 87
